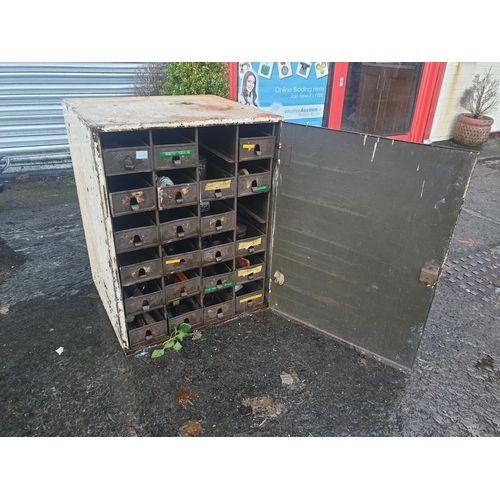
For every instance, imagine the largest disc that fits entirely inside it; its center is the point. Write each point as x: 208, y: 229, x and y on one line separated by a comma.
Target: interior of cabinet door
x: 356, y: 219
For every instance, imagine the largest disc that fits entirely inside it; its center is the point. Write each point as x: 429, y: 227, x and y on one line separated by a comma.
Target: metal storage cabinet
x: 196, y: 209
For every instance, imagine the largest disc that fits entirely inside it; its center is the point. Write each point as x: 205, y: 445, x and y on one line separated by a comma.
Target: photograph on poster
x: 303, y: 69
x: 285, y: 70
x: 266, y: 69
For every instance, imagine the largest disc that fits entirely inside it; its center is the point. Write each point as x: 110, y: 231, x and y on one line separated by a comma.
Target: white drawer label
x: 141, y: 155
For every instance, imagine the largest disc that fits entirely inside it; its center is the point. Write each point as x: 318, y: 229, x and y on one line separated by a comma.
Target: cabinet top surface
x: 122, y: 113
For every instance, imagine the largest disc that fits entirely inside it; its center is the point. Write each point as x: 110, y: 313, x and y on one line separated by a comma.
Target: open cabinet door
x: 356, y: 218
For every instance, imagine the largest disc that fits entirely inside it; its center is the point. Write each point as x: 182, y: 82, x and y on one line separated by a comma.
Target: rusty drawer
x: 131, y: 193
x: 180, y: 255
x: 144, y: 297
x: 176, y: 156
x: 253, y: 244
x: 217, y: 277
x: 177, y: 224
x: 218, y: 189
x: 219, y: 219
x: 250, y: 296
x: 253, y: 148
x: 181, y: 194
x: 176, y: 290
x: 148, y: 334
x: 134, y: 232
x: 222, y: 306
x: 218, y: 253
x: 127, y: 160
x: 253, y: 183
x: 256, y: 270
x: 139, y: 266
x: 194, y: 316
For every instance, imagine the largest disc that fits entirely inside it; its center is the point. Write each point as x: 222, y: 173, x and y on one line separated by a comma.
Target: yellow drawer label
x: 248, y: 146
x: 250, y: 270
x: 173, y: 261
x: 248, y: 299
x: 217, y: 185
x: 247, y: 244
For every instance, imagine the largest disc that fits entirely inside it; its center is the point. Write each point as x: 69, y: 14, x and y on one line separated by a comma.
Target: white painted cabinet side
x: 93, y: 198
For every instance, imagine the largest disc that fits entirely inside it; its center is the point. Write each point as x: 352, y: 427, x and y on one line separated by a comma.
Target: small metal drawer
x: 185, y: 227
x: 127, y: 160
x: 177, y: 291
x: 193, y: 317
x: 218, y: 189
x: 133, y: 201
x: 140, y: 232
x: 251, y: 245
x: 219, y: 311
x: 218, y: 253
x: 185, y: 256
x: 139, y: 266
x: 218, y: 222
x: 255, y: 271
x: 143, y: 301
x: 212, y: 283
x: 253, y: 148
x: 148, y: 334
x: 180, y: 194
x: 250, y: 296
x: 254, y: 183
x: 176, y: 156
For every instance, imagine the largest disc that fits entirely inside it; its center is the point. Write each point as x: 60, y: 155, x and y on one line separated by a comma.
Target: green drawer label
x: 263, y: 188
x: 215, y: 288
x: 184, y: 152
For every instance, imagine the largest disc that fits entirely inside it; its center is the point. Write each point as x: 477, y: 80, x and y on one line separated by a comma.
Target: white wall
x: 457, y: 78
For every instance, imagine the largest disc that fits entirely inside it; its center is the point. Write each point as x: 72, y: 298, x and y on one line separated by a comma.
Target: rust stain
x: 138, y: 195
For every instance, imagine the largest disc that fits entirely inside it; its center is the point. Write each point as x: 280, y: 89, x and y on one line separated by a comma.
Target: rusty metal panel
x: 356, y: 220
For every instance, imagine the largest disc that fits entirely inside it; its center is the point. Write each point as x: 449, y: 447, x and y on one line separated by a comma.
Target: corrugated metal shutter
x: 32, y: 131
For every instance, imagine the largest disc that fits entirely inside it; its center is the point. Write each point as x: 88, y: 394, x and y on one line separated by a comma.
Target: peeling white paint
x: 418, y: 167
x: 439, y: 203
x: 364, y: 141
x: 422, y: 192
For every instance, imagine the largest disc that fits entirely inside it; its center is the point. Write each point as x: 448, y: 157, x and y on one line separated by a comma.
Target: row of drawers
x: 144, y: 199
x: 202, y: 315
x: 143, y: 268
x: 153, y: 295
x: 180, y: 230
x: 145, y: 159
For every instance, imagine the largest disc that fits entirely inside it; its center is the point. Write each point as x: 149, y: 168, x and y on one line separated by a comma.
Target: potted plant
x: 474, y: 127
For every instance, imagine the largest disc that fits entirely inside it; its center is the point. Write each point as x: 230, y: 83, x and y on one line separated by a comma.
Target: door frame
x: 425, y: 105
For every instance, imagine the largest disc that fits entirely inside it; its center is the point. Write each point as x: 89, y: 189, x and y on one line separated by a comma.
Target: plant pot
x: 471, y: 131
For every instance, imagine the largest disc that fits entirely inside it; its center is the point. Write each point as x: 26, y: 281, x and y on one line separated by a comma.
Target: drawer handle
x: 128, y: 163
x: 220, y: 314
x: 183, y: 291
x: 148, y: 335
x: 255, y: 189
x: 179, y: 198
x: 180, y: 232
x: 257, y: 150
x: 142, y: 272
x: 218, y: 225
x: 176, y: 160
x: 218, y: 257
x: 251, y: 249
x: 145, y: 306
x: 250, y: 276
x: 218, y: 193
x: 134, y: 205
x: 137, y: 241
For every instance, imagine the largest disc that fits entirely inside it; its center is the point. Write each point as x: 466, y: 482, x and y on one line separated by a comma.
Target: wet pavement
x: 258, y: 375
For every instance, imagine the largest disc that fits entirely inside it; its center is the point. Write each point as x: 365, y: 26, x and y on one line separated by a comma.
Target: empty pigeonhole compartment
x: 219, y: 218
x: 189, y: 310
x: 175, y: 148
x: 220, y: 140
x: 217, y: 277
x: 181, y: 255
x: 218, y: 305
x: 249, y: 296
x: 182, y: 284
x: 143, y: 297
x: 132, y: 232
x: 126, y: 152
x: 179, y: 223
x: 184, y: 191
x: 249, y: 268
x: 256, y: 141
x: 217, y: 248
x: 147, y: 328
x: 219, y: 182
x: 131, y: 193
x: 138, y: 266
x: 254, y: 177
